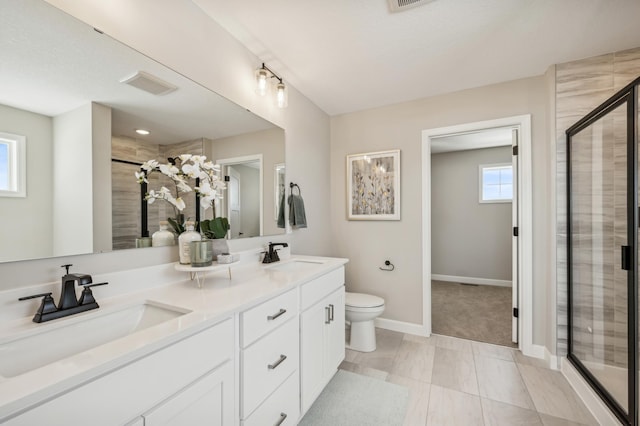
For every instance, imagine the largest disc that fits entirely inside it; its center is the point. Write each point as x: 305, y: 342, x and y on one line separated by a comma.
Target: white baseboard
x: 401, y: 326
x: 595, y: 405
x: 471, y: 280
x: 534, y: 351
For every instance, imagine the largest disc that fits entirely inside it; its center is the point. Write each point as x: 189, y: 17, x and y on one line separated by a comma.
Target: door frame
x: 241, y: 160
x: 525, y: 222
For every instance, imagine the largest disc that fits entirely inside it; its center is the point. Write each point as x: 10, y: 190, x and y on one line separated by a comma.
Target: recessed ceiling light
x: 142, y: 132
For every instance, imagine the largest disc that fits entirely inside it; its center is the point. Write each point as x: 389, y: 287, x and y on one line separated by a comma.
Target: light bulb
x: 262, y: 79
x: 281, y: 91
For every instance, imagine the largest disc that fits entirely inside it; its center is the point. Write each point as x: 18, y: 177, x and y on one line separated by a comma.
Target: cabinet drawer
x: 281, y: 408
x: 320, y: 287
x: 267, y: 363
x: 258, y: 321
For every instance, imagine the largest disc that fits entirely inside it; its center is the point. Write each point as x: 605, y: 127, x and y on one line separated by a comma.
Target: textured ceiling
x: 352, y: 55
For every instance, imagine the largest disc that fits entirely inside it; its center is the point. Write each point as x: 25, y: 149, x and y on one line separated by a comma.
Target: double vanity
x: 252, y: 350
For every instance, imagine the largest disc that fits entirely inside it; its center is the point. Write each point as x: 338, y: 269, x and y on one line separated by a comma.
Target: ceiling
x: 53, y: 63
x: 352, y: 55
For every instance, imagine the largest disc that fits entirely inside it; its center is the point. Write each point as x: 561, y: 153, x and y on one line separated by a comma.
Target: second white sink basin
x: 57, y: 341
x: 295, y: 265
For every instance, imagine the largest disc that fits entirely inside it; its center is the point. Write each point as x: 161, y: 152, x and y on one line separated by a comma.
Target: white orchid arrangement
x: 180, y: 170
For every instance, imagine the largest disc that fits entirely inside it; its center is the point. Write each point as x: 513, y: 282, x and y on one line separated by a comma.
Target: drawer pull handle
x: 274, y: 316
x: 327, y: 311
x: 282, y: 418
x: 331, y: 313
x: 277, y: 363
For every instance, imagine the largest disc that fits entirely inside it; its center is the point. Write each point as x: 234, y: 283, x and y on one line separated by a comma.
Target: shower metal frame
x: 628, y: 95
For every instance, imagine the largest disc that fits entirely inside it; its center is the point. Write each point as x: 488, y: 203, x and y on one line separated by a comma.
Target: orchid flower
x: 180, y: 170
x: 149, y: 165
x: 169, y: 170
x: 178, y: 203
x: 191, y: 170
x: 141, y: 177
x: 208, y: 165
x: 182, y: 185
x: 198, y: 159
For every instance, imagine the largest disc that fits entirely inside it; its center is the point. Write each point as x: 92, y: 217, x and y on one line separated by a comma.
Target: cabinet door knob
x: 274, y: 316
x: 327, y: 311
x: 330, y: 312
x: 277, y: 363
x: 282, y: 418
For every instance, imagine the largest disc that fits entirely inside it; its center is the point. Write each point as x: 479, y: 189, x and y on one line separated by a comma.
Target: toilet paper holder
x: 388, y: 266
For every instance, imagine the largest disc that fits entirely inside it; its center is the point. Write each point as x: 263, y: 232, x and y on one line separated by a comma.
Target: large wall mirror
x: 76, y: 97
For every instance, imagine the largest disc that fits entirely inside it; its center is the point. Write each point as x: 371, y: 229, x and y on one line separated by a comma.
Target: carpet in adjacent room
x: 354, y: 400
x: 475, y: 312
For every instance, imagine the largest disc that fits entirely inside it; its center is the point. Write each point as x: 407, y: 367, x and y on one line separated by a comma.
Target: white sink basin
x: 57, y: 341
x: 295, y: 265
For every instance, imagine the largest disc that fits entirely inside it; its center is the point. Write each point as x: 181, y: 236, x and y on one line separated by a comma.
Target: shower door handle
x: 625, y: 255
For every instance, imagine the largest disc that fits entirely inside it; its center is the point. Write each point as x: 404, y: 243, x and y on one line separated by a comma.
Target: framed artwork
x: 373, y: 186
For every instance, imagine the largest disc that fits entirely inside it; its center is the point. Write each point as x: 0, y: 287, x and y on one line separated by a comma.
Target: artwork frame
x: 373, y: 185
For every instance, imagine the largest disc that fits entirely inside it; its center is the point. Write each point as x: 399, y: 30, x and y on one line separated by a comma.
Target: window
x: 12, y: 165
x: 496, y: 183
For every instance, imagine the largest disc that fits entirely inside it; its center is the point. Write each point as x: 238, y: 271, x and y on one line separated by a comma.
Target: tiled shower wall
x: 580, y: 87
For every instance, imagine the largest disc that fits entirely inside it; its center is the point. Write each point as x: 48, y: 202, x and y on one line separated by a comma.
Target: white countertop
x: 219, y: 299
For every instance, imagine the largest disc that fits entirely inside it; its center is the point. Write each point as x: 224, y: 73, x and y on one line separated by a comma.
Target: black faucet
x: 272, y: 255
x: 68, y: 304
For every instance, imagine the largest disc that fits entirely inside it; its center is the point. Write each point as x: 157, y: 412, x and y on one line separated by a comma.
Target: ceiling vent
x: 400, y: 5
x: 149, y: 83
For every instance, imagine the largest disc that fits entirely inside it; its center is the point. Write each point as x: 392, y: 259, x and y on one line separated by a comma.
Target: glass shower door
x: 601, y: 208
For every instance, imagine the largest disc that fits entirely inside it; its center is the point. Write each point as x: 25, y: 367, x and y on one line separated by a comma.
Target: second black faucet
x: 272, y: 254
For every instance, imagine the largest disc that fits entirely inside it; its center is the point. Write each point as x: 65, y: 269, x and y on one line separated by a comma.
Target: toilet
x: 361, y: 310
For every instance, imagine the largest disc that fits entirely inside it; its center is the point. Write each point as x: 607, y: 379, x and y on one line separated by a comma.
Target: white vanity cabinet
x: 195, y: 373
x: 263, y: 361
x: 321, y: 333
x: 269, y: 361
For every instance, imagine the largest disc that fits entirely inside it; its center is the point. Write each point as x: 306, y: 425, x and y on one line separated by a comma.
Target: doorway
x: 474, y: 252
x: 242, y: 203
x: 522, y: 218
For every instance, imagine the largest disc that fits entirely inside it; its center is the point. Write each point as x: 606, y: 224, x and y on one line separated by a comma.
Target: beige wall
x: 72, y: 182
x: 31, y: 214
x: 469, y: 239
x: 368, y: 244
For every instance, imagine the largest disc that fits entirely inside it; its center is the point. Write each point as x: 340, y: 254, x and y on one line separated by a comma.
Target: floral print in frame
x: 373, y: 186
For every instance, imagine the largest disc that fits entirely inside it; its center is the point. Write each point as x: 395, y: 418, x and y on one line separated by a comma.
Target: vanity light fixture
x: 263, y: 74
x: 142, y: 132
x: 281, y: 95
x: 262, y: 79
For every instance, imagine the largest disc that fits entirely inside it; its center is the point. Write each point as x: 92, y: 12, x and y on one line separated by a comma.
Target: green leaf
x: 215, y: 228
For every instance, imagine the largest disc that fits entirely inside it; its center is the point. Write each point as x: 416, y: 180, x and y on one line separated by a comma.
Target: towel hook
x: 388, y: 263
x: 292, y: 185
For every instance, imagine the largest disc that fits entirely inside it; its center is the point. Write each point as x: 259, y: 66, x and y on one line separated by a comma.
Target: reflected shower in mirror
x: 77, y: 97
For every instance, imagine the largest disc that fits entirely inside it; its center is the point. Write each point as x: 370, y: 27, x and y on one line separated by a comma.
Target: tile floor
x: 461, y: 382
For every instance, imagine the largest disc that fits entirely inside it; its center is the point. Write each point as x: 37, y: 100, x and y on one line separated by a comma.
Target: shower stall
x: 602, y: 258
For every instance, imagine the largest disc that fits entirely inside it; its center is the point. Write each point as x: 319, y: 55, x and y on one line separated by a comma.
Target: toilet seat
x: 360, y: 301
